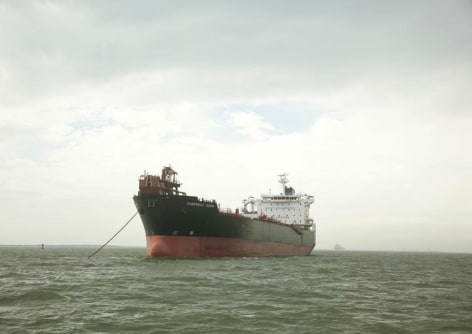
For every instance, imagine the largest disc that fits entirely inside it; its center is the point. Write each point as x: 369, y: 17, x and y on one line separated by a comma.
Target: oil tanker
x: 181, y: 226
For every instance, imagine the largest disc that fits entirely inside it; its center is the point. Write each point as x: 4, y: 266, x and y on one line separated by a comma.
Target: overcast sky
x: 367, y: 105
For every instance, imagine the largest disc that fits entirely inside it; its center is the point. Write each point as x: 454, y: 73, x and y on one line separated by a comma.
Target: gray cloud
x: 56, y: 44
x: 366, y: 104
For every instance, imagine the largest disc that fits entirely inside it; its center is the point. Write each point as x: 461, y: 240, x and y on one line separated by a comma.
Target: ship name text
x: 207, y: 205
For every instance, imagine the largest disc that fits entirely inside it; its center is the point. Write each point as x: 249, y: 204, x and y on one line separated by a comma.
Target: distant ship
x: 338, y: 247
x: 178, y: 225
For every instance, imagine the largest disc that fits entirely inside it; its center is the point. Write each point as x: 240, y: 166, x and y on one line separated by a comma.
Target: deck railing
x: 226, y: 210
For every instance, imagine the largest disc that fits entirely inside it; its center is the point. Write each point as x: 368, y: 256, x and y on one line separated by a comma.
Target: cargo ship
x: 183, y: 226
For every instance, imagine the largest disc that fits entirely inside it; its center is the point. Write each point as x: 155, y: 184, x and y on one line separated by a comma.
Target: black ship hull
x: 185, y: 226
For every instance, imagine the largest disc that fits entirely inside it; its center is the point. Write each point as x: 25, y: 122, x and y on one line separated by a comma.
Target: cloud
x: 366, y: 107
x: 323, y: 43
x: 250, y: 124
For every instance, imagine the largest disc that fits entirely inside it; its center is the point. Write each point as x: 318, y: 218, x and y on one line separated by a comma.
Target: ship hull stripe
x: 193, y: 246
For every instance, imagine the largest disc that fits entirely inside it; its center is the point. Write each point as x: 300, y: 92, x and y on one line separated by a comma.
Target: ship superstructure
x: 288, y: 207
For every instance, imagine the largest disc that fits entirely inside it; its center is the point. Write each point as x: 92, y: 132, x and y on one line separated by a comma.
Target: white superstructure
x: 287, y: 207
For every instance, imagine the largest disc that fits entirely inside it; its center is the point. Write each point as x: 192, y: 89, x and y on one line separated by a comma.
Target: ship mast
x: 283, y: 181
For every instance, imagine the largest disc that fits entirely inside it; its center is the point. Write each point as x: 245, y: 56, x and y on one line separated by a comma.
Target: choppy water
x: 120, y: 290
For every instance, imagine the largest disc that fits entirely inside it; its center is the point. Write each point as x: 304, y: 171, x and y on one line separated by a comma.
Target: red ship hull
x: 191, y: 246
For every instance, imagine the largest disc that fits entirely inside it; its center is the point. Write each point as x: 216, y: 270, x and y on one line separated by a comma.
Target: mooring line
x: 106, y: 243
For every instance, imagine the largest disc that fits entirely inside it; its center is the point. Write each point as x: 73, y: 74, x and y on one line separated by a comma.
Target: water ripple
x: 121, y: 290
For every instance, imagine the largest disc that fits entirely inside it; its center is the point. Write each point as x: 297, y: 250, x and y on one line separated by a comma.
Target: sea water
x: 120, y: 290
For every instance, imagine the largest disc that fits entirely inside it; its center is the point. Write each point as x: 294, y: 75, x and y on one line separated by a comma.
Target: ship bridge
x: 288, y: 207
